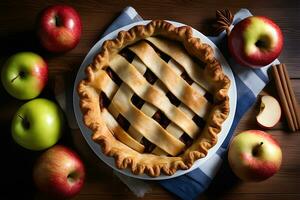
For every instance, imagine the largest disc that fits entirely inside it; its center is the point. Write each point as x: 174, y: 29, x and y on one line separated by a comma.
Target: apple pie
x: 155, y: 98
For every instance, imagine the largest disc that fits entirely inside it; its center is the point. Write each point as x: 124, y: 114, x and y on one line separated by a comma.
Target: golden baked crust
x: 90, y: 88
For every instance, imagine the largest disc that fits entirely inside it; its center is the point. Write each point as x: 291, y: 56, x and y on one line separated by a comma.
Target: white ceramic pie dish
x: 109, y: 160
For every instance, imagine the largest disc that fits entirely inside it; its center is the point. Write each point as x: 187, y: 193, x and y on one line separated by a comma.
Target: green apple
x: 38, y: 124
x: 24, y: 75
x: 254, y: 155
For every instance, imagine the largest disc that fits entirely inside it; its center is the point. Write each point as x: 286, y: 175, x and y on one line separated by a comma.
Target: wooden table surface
x: 17, y: 26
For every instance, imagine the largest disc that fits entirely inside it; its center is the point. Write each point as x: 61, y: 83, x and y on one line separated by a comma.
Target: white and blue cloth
x: 249, y: 83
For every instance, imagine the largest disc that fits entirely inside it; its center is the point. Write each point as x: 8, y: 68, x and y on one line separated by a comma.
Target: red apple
x: 254, y: 155
x: 255, y: 41
x: 270, y: 112
x: 59, y: 28
x: 59, y: 172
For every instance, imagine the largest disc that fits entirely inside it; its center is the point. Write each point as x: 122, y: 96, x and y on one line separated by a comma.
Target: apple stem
x: 21, y: 75
x: 21, y: 117
x: 12, y: 80
x: 256, y: 149
x: 261, y: 144
x: 24, y: 122
x: 57, y: 21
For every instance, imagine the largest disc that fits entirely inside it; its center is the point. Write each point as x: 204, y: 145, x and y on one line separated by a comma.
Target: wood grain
x: 17, y: 33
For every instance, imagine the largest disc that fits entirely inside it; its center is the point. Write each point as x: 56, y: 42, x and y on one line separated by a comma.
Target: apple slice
x: 270, y: 112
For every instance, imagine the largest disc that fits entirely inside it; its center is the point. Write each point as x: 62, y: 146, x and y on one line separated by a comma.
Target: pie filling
x: 188, y: 119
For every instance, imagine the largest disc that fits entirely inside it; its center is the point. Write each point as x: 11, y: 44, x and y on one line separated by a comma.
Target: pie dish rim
x: 144, y: 22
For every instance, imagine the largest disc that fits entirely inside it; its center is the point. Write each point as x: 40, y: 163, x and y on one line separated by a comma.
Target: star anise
x: 224, y: 20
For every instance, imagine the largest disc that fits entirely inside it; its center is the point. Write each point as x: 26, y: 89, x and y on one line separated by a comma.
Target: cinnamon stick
x: 287, y: 96
x: 293, y: 96
x: 282, y: 98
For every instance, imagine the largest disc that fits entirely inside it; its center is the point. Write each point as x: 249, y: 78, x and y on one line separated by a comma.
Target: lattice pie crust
x: 155, y: 98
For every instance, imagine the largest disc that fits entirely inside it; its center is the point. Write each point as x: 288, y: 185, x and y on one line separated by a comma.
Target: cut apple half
x: 270, y: 112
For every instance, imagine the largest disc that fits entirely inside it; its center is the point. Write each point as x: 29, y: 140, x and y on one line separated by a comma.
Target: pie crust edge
x: 125, y: 157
